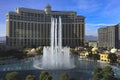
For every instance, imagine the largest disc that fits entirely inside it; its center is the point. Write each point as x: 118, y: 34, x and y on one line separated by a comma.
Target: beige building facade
x: 29, y: 27
x: 109, y: 37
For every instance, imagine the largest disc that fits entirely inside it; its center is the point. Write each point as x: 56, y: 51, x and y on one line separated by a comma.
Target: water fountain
x: 55, y: 56
x: 56, y: 60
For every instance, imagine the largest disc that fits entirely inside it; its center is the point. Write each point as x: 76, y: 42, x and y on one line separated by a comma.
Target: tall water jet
x: 55, y: 56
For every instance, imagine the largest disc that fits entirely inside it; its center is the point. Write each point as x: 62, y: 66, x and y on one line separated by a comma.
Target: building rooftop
x: 113, y: 25
x: 23, y: 9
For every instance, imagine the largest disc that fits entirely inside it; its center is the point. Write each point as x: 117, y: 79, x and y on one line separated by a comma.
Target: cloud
x: 112, y: 4
x: 108, y: 10
x: 112, y: 10
x: 98, y: 25
x: 2, y: 29
x: 2, y: 34
x: 92, y: 28
x: 87, y: 5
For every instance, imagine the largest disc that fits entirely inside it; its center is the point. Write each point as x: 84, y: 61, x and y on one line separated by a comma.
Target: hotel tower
x: 30, y: 27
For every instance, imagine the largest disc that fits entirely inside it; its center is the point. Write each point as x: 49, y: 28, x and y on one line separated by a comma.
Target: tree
x: 40, y: 51
x: 108, y: 74
x: 13, y: 76
x: 89, y: 55
x: 64, y: 76
x: 112, y: 57
x: 45, y: 76
x: 73, y: 51
x: 72, y: 79
x: 93, y: 56
x: 96, y: 56
x: 118, y: 79
x: 30, y: 77
x: 103, y: 74
x: 97, y: 74
x: 97, y: 70
x: 97, y: 77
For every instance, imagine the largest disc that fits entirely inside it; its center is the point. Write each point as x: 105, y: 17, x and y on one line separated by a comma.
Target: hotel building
x: 109, y: 37
x: 30, y: 27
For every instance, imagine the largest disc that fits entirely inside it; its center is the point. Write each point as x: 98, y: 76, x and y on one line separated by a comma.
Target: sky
x: 98, y: 13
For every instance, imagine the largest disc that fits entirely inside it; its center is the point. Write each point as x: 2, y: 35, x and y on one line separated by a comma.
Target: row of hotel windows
x: 43, y: 14
x: 65, y: 42
x: 23, y: 24
x: 106, y: 37
x: 40, y: 36
x: 43, y: 19
x: 33, y: 29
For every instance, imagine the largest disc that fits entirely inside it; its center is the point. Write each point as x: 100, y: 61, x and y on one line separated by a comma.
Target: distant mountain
x: 90, y: 37
x: 2, y: 38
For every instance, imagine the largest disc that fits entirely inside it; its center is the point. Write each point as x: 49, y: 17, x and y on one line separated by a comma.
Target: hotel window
x: 28, y: 14
x: 35, y: 29
x: 15, y: 17
x: 18, y: 17
x: 11, y: 17
x: 28, y: 26
x: 31, y: 14
x: 38, y: 15
x: 42, y: 15
x: 35, y: 15
x: 22, y: 24
x: 10, y: 23
x: 18, y: 25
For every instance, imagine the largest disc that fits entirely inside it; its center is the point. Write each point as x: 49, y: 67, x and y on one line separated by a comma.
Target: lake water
x: 82, y: 71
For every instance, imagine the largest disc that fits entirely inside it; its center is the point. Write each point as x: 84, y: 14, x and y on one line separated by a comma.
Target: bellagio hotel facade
x: 30, y: 27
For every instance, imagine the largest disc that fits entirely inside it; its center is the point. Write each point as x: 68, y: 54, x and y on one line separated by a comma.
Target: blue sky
x: 98, y: 13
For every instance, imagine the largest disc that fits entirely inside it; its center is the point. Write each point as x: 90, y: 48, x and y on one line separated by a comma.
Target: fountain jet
x: 56, y: 56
